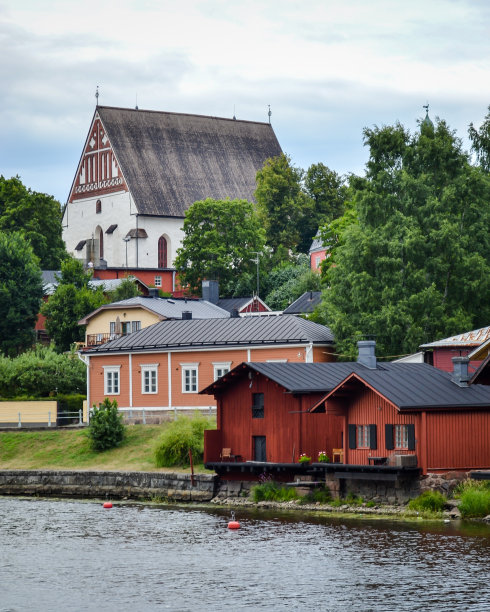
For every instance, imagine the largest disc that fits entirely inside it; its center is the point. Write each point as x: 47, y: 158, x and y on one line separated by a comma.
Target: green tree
x: 480, y: 142
x: 220, y: 239
x: 282, y: 204
x: 37, y: 216
x: 72, y: 300
x: 106, y: 429
x: 127, y: 289
x: 289, y: 281
x: 416, y: 264
x: 20, y: 292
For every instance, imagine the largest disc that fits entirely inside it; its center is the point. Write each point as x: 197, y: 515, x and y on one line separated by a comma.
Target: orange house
x: 162, y: 367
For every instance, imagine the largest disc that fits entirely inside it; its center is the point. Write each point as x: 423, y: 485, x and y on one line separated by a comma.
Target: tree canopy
x: 20, y: 292
x: 412, y: 262
x: 221, y: 238
x: 72, y: 300
x: 37, y: 216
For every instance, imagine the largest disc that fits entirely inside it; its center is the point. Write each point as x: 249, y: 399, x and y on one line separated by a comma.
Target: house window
x: 126, y: 328
x: 98, y: 207
x: 189, y: 377
x: 162, y: 252
x: 317, y: 262
x: 257, y: 405
x: 158, y: 281
x: 111, y: 380
x: 220, y: 369
x: 401, y: 436
x: 135, y: 326
x: 149, y: 378
x: 362, y: 436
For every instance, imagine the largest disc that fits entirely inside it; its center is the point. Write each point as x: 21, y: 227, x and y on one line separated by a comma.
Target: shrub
x: 182, y: 435
x: 272, y: 491
x: 321, y: 496
x: 475, y: 502
x: 106, y: 429
x: 432, y: 501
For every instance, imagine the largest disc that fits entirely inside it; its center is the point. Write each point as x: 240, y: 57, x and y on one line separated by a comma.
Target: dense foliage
x: 221, y: 238
x: 20, y: 292
x: 37, y: 216
x: 127, y: 289
x: 432, y: 501
x: 72, y: 300
x: 106, y: 429
x: 288, y: 282
x: 179, y: 437
x: 41, y: 372
x: 412, y: 261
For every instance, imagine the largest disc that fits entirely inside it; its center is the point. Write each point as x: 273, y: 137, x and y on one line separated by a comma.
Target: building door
x: 259, y: 448
x: 162, y: 252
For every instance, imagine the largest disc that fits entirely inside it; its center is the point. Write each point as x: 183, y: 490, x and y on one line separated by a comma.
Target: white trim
x: 130, y: 380
x: 169, y: 377
x: 276, y: 360
x: 149, y: 367
x: 112, y: 369
x: 190, y: 367
x: 220, y: 365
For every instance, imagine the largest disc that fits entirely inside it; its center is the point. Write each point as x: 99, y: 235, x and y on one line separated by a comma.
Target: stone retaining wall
x: 131, y: 485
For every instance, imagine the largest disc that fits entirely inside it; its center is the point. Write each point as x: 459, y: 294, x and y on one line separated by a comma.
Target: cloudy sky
x: 326, y: 68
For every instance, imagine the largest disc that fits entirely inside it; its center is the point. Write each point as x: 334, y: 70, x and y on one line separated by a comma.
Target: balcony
x: 97, y: 339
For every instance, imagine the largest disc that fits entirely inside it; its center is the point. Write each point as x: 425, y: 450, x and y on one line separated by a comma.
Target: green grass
x: 475, y: 498
x: 428, y: 502
x: 272, y: 491
x: 70, y: 450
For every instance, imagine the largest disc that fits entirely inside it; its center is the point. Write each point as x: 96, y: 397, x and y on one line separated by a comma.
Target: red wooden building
x: 440, y: 353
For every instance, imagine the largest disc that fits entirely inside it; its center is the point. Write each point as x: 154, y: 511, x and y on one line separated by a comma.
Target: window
x: 135, y: 326
x: 189, y: 377
x: 111, y: 380
x: 401, y: 436
x: 317, y: 262
x: 126, y: 328
x: 220, y: 369
x: 98, y: 207
x: 158, y: 281
x: 149, y: 378
x: 362, y: 436
x: 257, y: 405
x: 162, y: 252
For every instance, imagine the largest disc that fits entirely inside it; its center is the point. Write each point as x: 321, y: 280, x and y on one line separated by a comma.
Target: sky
x: 327, y: 68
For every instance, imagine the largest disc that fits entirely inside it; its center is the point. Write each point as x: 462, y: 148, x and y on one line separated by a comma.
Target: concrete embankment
x: 118, y: 485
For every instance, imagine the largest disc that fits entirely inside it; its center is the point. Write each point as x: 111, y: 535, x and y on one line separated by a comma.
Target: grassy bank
x: 70, y: 450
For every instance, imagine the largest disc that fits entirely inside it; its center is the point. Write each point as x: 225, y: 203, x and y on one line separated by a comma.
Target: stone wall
x: 131, y: 485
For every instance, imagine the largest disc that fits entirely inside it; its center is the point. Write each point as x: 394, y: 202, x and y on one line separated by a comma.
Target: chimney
x: 460, y: 374
x: 234, y: 314
x: 210, y: 291
x: 186, y: 314
x: 367, y: 353
x: 153, y: 292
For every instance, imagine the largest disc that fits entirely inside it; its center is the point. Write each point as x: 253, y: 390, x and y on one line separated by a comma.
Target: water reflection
x: 76, y: 555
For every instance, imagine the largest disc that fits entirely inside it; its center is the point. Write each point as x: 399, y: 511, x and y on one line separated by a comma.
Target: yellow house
x: 112, y: 321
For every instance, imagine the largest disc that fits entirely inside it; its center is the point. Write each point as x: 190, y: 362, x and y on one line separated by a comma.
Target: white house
x: 141, y: 170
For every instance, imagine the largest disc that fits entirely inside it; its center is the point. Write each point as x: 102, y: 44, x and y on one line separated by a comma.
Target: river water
x: 75, y: 555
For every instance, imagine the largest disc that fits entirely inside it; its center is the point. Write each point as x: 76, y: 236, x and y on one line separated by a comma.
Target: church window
x: 162, y: 252
x: 98, y: 207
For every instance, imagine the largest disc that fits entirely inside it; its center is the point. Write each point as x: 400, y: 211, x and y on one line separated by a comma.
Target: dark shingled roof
x: 200, y: 333
x: 409, y: 386
x: 171, y: 160
x: 305, y: 303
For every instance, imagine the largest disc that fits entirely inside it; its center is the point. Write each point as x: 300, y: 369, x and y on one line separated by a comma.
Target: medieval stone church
x: 141, y: 170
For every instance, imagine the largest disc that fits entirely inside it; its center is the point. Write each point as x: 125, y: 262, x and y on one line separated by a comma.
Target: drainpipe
x: 309, y: 353
x: 130, y: 381
x: 169, y: 375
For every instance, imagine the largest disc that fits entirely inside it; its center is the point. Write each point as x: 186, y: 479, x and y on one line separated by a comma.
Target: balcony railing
x: 96, y: 339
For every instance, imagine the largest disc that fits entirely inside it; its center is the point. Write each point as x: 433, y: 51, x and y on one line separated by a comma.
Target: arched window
x: 99, y: 233
x: 162, y: 252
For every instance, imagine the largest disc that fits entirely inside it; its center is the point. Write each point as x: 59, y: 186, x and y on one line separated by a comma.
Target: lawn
x: 70, y: 450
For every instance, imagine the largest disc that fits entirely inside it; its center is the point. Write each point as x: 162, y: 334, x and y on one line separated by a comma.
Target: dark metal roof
x: 245, y: 332
x: 171, y: 160
x: 305, y: 303
x: 420, y: 385
x: 406, y: 385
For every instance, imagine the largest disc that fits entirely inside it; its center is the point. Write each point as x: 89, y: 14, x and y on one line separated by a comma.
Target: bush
x: 182, y: 435
x: 475, y: 499
x: 431, y: 501
x: 271, y: 491
x: 321, y: 495
x: 106, y: 429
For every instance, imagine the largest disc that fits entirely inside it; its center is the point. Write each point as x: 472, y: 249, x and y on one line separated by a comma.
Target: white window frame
x: 276, y: 361
x: 149, y: 371
x: 223, y: 367
x: 401, y: 436
x: 188, y: 386
x: 112, y: 379
x: 158, y: 281
x: 135, y: 326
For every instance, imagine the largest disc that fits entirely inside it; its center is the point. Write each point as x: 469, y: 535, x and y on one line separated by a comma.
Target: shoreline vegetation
x: 69, y: 449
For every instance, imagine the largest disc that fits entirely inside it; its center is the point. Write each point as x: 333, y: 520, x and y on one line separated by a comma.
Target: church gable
x: 98, y: 172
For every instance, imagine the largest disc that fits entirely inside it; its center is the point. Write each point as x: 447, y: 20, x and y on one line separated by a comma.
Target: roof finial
x: 97, y: 96
x: 136, y: 107
x: 427, y: 122
x: 269, y: 113
x: 426, y: 106
x: 234, y: 116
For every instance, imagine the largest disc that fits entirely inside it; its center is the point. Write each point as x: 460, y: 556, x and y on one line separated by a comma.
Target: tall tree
x: 37, y: 216
x: 480, y: 142
x: 416, y: 264
x: 72, y: 300
x: 221, y: 238
x: 20, y: 292
x: 282, y: 204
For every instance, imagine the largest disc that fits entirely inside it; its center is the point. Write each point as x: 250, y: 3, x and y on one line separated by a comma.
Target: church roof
x: 171, y: 160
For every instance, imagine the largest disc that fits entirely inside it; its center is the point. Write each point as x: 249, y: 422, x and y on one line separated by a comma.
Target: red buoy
x: 233, y: 524
x: 107, y: 505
